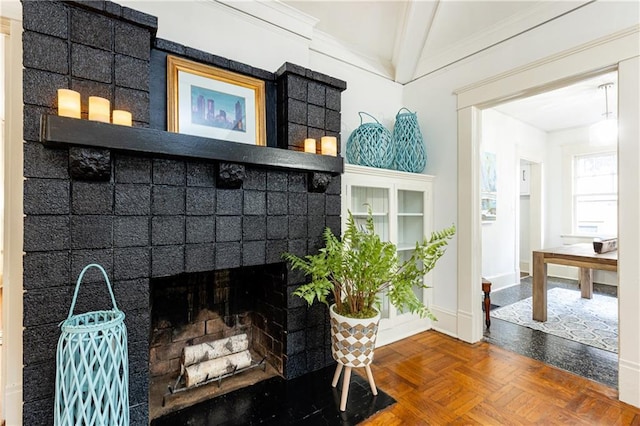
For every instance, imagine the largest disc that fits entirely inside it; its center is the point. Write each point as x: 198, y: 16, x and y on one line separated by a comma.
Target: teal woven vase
x: 371, y: 144
x: 411, y: 154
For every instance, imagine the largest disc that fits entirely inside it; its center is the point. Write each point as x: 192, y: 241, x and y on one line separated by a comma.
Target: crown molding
x: 276, y: 13
x: 332, y: 47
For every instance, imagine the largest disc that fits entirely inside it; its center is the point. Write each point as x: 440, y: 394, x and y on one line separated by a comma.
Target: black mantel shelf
x: 63, y: 131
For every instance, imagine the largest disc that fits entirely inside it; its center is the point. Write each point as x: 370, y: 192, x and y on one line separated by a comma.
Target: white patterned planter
x: 353, y: 339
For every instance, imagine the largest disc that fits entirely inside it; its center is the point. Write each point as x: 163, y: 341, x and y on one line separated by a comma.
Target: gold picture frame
x: 203, y: 100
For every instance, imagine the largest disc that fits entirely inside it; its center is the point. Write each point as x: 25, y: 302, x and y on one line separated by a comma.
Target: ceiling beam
x: 411, y: 38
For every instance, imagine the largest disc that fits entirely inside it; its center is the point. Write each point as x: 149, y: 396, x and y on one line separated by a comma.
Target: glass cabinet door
x: 378, y: 199
x: 410, y: 227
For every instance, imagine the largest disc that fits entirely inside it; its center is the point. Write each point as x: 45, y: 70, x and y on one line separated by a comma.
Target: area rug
x: 593, y: 322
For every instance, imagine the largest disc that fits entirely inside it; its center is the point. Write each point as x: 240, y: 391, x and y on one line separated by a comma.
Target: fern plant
x: 360, y: 267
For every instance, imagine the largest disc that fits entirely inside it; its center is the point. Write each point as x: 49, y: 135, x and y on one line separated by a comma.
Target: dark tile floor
x: 307, y: 400
x: 586, y: 361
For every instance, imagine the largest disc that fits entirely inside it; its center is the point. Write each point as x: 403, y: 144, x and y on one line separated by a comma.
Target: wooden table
x: 581, y: 255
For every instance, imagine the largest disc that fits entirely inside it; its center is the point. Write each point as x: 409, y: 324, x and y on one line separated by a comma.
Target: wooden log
x: 198, y: 373
x: 211, y: 350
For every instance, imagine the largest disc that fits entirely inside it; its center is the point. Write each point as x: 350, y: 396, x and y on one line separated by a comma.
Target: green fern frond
x: 359, y: 267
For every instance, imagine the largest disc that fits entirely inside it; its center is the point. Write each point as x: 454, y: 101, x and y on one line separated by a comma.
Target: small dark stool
x: 486, y: 289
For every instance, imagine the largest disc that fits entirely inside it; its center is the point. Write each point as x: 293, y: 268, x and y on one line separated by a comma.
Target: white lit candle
x: 310, y: 145
x: 99, y: 109
x: 68, y: 103
x: 121, y: 117
x: 329, y: 145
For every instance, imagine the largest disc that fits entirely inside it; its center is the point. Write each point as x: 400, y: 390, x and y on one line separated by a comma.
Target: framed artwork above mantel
x: 203, y: 100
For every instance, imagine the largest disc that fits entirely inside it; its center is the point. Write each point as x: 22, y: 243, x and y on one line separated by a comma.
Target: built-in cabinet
x: 402, y: 208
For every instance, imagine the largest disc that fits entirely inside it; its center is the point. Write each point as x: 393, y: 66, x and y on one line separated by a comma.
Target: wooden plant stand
x: 346, y: 381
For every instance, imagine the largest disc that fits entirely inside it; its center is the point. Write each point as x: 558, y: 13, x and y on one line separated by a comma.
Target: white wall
x: 507, y: 138
x: 219, y: 29
x: 525, y: 246
x: 434, y: 99
x: 383, y: 103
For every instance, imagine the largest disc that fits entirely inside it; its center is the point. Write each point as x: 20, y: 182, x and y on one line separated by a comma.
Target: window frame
x: 604, y: 196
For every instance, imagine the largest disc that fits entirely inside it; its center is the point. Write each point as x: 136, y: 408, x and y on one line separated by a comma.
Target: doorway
x: 547, y: 130
x: 557, y: 71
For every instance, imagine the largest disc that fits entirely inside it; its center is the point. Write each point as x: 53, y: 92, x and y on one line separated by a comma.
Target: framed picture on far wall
x: 488, y: 191
x: 211, y: 102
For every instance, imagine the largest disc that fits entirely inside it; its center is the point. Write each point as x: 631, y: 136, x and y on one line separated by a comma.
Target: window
x: 595, y: 194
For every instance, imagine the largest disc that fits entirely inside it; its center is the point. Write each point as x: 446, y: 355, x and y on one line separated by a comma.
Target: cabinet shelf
x: 410, y: 214
x: 365, y: 214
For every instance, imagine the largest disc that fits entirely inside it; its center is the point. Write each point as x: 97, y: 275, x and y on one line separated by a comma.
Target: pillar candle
x: 329, y: 145
x: 121, y: 117
x: 310, y: 145
x: 99, y: 109
x: 68, y: 103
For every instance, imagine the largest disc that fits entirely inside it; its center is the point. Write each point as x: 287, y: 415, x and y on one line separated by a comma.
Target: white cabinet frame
x: 393, y: 325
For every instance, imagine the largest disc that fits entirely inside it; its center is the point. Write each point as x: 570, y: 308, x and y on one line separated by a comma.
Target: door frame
x: 617, y: 51
x: 11, y: 376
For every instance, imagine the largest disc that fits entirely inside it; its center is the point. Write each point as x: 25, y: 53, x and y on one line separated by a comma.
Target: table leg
x: 486, y: 289
x: 539, y: 287
x: 586, y: 282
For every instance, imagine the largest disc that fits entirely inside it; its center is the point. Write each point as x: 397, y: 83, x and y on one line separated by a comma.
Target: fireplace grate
x: 206, y: 363
x: 180, y: 386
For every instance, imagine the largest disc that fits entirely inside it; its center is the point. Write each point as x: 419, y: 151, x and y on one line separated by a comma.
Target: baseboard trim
x: 386, y: 338
x: 628, y: 379
x: 501, y: 281
x: 447, y: 321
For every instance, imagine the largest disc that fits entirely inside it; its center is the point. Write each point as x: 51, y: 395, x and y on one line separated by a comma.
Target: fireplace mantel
x: 58, y: 131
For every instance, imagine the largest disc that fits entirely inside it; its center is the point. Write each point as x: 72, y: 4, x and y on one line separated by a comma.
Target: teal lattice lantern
x: 92, y: 374
x: 371, y: 144
x: 411, y: 155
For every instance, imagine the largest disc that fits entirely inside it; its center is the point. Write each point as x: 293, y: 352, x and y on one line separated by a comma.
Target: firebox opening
x: 203, y: 310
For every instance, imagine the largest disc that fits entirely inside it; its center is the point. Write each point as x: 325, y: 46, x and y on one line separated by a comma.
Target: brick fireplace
x: 92, y: 196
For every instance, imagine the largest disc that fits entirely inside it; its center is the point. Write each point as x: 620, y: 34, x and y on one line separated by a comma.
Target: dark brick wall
x: 308, y: 106
x: 152, y: 217
x: 96, y: 48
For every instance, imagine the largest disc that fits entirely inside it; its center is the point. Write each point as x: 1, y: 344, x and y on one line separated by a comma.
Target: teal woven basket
x: 411, y: 154
x: 371, y: 144
x: 92, y: 375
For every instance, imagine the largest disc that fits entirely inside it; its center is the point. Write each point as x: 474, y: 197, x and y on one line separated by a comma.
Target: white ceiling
x: 580, y: 104
x: 412, y: 38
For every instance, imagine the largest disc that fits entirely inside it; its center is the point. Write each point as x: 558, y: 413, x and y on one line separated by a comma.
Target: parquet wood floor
x: 439, y: 380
